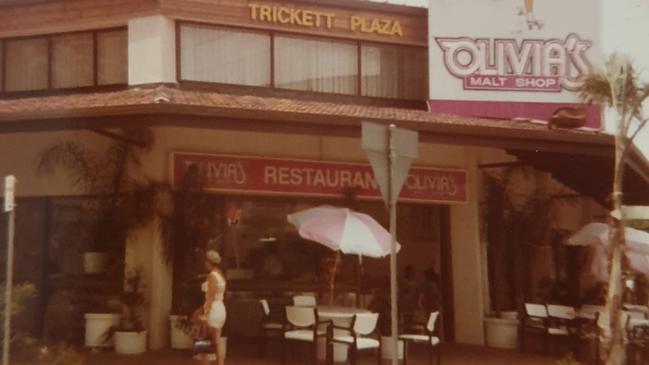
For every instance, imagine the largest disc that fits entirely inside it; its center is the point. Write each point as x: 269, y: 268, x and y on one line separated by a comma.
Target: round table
x: 340, y: 316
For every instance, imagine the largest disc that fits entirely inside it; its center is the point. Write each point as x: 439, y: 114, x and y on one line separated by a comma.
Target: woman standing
x: 214, y: 308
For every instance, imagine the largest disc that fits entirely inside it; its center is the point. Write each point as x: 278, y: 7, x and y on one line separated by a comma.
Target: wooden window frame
x: 272, y: 34
x: 50, y: 89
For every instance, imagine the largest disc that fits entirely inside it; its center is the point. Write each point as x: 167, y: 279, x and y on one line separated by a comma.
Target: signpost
x: 391, y: 151
x: 9, y: 205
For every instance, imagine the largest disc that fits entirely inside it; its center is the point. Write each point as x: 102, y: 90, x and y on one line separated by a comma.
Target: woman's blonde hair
x: 213, y: 257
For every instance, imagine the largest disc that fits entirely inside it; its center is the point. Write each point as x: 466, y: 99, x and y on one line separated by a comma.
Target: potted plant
x: 130, y: 334
x: 101, y: 321
x: 183, y: 321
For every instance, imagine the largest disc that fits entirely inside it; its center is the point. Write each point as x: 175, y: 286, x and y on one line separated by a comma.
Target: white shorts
x: 217, y: 315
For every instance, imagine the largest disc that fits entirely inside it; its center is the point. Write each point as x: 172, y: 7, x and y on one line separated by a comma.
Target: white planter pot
x: 179, y: 339
x: 98, y: 326
x: 501, y: 332
x: 386, y: 348
x: 212, y: 357
x: 130, y: 343
x: 95, y: 262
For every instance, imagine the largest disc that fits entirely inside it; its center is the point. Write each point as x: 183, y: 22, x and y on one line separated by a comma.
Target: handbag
x: 203, y: 343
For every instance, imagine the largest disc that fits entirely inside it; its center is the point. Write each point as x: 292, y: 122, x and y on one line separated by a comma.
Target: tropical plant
x: 517, y: 216
x: 618, y: 87
x: 21, y: 294
x: 60, y: 355
x: 132, y: 299
x: 119, y: 203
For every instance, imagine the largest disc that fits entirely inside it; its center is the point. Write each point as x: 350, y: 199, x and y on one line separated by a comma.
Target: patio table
x: 340, y: 316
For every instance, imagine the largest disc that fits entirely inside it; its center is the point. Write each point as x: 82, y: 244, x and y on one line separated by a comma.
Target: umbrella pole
x: 333, y: 278
x: 359, y: 282
x: 393, y: 246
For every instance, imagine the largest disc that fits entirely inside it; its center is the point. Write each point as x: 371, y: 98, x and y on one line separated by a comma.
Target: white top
x: 220, y: 286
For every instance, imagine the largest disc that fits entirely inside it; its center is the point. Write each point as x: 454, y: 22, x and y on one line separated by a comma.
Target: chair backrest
x: 561, y: 311
x: 265, y: 308
x: 432, y: 321
x: 365, y: 323
x: 592, y: 308
x: 536, y: 310
x: 635, y: 315
x: 301, y: 316
x: 304, y: 301
x: 636, y: 308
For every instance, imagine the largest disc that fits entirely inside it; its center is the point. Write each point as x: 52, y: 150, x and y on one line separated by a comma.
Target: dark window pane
x: 394, y: 72
x: 112, y: 57
x: 72, y: 63
x: 26, y: 64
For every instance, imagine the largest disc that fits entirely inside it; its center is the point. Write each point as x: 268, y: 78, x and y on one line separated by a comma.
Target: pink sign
x: 271, y: 176
x: 513, y: 59
x: 512, y: 83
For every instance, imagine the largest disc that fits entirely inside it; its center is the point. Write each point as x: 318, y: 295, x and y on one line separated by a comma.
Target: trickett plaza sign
x: 512, y: 58
x: 308, y: 18
x: 272, y: 176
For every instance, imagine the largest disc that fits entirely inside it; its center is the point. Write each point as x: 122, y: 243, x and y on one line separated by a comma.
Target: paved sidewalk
x: 247, y: 355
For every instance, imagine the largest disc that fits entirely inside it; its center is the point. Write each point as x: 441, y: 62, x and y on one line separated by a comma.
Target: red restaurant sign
x: 260, y: 175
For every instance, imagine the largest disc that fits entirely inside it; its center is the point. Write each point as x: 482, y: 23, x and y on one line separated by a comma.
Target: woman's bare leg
x: 529, y: 6
x: 220, y: 352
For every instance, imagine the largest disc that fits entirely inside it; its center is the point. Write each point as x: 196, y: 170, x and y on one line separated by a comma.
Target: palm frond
x: 595, y: 89
x: 79, y: 161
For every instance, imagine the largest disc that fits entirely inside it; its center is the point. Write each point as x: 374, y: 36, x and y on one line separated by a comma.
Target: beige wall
x: 20, y: 155
x: 151, y: 50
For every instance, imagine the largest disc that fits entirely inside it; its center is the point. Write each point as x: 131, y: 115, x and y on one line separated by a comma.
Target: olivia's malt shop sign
x: 270, y: 176
x: 512, y: 58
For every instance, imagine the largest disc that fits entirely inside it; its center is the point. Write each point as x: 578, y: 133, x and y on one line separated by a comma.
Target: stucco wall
x: 144, y: 248
x: 152, y: 50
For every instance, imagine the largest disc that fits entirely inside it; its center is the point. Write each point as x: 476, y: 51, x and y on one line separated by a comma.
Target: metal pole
x: 393, y: 246
x: 11, y: 218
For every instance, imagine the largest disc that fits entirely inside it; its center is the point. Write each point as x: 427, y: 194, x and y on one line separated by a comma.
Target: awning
x: 593, y: 175
x: 580, y: 159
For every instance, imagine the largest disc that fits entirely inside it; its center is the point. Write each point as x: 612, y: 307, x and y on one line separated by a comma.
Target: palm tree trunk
x: 615, y: 352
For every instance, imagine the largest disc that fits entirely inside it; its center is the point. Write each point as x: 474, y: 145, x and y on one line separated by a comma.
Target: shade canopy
x: 596, y: 236
x: 342, y: 229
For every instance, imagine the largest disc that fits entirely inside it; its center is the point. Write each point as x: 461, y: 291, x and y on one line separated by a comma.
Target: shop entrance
x: 265, y: 258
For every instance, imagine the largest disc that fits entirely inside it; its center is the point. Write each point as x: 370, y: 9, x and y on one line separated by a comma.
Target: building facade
x: 264, y: 101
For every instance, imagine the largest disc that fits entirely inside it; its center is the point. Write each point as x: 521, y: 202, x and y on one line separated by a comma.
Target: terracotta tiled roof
x: 164, y: 98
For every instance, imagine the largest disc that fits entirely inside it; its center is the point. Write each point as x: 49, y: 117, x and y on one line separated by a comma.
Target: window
x: 394, y: 72
x: 26, y: 64
x: 316, y: 65
x: 112, y: 57
x: 213, y: 54
x: 72, y: 64
x: 1, y: 66
x: 64, y: 61
x: 228, y: 55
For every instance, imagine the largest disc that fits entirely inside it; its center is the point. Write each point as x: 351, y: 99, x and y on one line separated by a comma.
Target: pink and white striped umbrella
x: 596, y: 236
x: 343, y: 229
